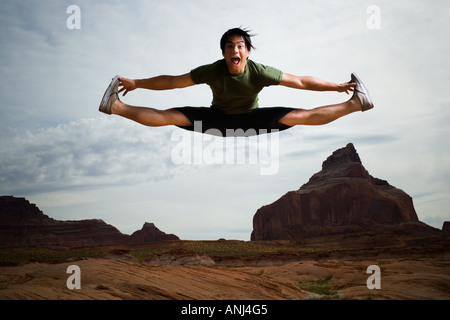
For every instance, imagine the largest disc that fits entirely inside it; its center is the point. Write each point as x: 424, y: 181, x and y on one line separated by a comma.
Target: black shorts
x: 258, y: 121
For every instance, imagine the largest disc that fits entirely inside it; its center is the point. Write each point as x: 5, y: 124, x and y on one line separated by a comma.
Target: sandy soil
x: 115, y: 278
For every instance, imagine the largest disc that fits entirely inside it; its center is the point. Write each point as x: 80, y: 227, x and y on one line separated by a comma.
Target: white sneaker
x: 361, y: 92
x: 110, y: 96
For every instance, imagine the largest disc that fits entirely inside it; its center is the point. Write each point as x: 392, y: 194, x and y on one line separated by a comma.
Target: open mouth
x: 235, y: 61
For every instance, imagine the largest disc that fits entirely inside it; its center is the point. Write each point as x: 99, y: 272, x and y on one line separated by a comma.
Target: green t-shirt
x: 236, y: 93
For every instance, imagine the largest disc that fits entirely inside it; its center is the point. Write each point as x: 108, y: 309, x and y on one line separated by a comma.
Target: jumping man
x: 235, y: 82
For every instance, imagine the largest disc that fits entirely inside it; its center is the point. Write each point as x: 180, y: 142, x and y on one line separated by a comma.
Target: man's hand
x: 127, y: 85
x: 346, y: 87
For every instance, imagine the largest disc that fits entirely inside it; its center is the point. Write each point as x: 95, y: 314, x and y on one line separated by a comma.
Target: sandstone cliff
x: 342, y: 198
x: 23, y: 224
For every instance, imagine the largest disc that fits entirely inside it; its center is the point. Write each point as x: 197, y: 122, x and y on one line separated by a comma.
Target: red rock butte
x: 24, y: 224
x: 342, y: 198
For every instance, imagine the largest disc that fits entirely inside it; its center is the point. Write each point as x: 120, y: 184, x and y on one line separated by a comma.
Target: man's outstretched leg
x: 147, y: 116
x: 321, y: 115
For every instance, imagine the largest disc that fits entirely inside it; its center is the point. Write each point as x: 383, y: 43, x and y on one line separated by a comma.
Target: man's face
x: 236, y: 54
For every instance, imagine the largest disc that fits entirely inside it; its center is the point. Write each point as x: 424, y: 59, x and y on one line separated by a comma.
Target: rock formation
x: 23, y: 224
x: 342, y: 198
x: 446, y: 227
x: 181, y: 257
x: 150, y: 233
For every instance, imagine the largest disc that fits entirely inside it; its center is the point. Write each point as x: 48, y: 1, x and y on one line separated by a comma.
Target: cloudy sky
x: 75, y: 163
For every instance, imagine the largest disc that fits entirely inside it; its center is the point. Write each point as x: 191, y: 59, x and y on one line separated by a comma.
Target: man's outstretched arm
x: 156, y: 83
x: 314, y: 84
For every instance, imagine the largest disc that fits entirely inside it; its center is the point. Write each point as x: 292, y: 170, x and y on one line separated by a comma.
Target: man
x: 235, y: 82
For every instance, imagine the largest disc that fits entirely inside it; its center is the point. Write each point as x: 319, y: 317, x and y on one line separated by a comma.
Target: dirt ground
x: 401, y: 277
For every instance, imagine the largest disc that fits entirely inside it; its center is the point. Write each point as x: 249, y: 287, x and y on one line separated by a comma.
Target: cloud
x: 85, y: 153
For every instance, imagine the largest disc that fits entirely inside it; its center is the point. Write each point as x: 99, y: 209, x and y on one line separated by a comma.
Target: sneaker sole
x: 105, y: 106
x: 361, y: 88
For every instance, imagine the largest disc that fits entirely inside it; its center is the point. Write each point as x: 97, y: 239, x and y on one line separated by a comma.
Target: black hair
x: 240, y: 32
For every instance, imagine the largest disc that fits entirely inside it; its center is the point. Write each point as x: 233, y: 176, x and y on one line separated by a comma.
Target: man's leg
x: 149, y: 116
x: 321, y: 115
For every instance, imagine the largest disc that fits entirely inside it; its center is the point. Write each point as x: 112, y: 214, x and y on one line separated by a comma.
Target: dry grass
x: 15, y: 256
x: 144, y: 252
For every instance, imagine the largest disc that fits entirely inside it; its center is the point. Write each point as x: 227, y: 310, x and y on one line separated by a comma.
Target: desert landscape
x: 344, y: 235
x: 260, y: 271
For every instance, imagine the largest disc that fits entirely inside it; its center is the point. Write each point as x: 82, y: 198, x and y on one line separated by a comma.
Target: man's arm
x: 314, y: 84
x: 156, y: 83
